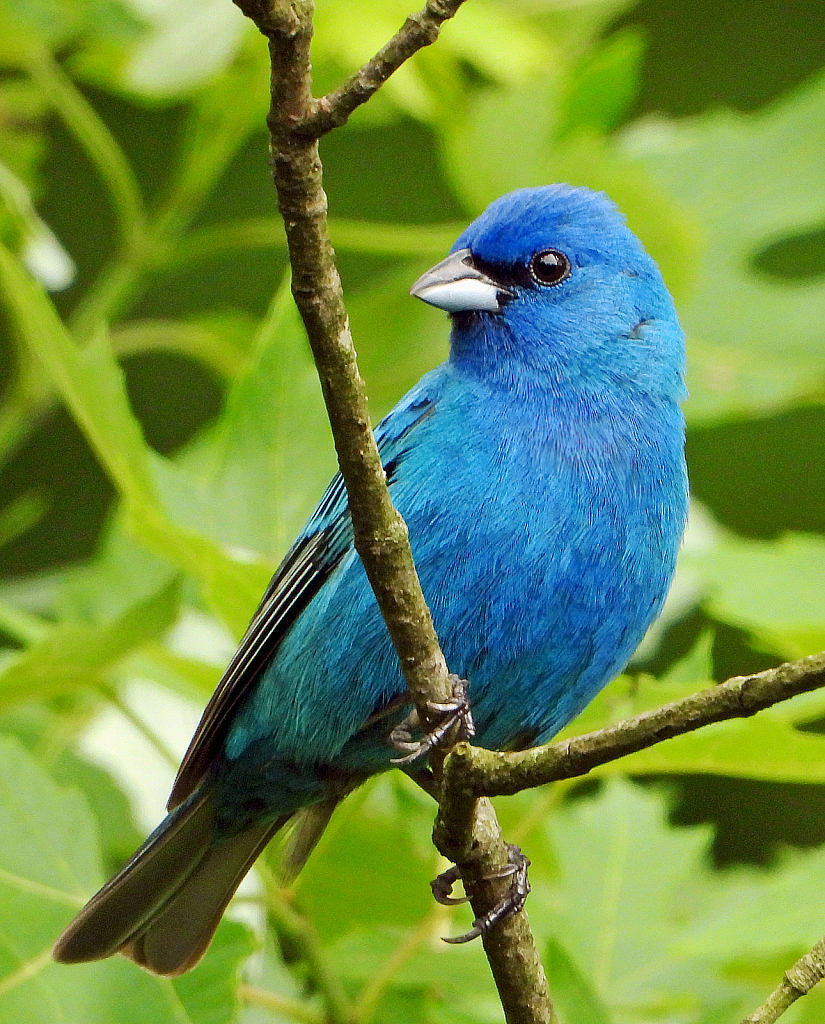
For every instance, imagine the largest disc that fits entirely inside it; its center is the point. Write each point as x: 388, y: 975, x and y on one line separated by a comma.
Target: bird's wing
x: 319, y: 549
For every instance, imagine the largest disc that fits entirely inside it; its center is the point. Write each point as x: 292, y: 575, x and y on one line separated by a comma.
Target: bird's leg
x: 512, y: 903
x: 453, y: 714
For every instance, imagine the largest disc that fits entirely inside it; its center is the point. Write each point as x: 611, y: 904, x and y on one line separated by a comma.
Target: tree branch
x: 493, y: 773
x: 380, y: 533
x: 467, y: 832
x: 295, y: 121
x: 420, y: 29
x: 471, y: 774
x: 808, y: 971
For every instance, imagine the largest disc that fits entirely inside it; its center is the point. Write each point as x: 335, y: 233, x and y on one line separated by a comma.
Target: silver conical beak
x: 457, y: 286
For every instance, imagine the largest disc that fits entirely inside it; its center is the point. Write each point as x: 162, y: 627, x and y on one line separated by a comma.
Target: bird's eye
x: 549, y: 267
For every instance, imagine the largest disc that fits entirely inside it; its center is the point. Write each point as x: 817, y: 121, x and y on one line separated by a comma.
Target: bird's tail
x: 161, y: 910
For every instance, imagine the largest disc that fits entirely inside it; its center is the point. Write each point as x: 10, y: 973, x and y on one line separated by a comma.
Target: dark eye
x: 549, y: 267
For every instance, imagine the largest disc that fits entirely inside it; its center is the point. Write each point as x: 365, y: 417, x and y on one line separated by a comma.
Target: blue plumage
x: 541, y: 474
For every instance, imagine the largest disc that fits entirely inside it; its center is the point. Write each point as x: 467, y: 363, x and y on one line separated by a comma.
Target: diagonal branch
x: 420, y: 29
x: 492, y: 773
x: 473, y: 772
x: 797, y: 981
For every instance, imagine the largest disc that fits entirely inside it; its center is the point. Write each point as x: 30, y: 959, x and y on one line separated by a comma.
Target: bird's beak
x: 456, y: 285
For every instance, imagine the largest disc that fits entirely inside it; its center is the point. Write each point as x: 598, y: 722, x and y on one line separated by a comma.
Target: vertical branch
x: 468, y: 833
x: 380, y: 533
x: 295, y: 122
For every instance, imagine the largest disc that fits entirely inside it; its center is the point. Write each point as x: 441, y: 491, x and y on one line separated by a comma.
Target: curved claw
x: 474, y: 933
x: 512, y: 902
x: 454, y: 714
x: 400, y: 740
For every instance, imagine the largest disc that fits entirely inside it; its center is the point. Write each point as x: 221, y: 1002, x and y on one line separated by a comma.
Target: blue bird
x: 541, y: 473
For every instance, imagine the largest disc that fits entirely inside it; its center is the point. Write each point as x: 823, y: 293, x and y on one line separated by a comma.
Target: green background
x: 706, y: 123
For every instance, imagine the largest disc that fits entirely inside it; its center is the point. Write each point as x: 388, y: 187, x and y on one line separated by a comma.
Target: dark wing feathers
x: 302, y: 573
x: 310, y: 561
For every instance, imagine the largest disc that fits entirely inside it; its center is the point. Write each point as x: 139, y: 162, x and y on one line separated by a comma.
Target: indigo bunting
x: 541, y: 473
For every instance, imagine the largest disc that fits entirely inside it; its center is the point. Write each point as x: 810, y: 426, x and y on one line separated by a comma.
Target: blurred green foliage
x: 162, y: 438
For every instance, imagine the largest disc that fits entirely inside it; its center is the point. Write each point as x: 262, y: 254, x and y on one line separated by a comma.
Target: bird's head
x: 549, y: 287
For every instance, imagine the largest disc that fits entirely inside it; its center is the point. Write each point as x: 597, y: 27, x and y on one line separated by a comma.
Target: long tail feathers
x: 163, y: 907
x: 176, y: 938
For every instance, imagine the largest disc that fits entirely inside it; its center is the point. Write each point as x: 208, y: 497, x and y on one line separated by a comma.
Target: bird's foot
x: 512, y: 903
x: 454, y: 722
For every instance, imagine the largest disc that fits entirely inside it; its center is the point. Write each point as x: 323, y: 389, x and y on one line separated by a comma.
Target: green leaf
x: 72, y: 655
x: 192, y: 678
x: 20, y: 515
x: 154, y: 491
x: 119, y: 835
x: 48, y: 867
x: 266, y: 462
x: 622, y: 872
x: 571, y: 990
x: 520, y: 119
x: 88, y: 380
x: 49, y: 21
x: 22, y: 133
x: 232, y: 581
x: 498, y: 42
x: 764, y: 911
x: 209, y: 994
x: 773, y: 589
x: 501, y: 41
x: 41, y: 727
x: 382, y: 826
x: 604, y: 85
x: 91, y: 132
x: 49, y: 849
x: 421, y: 968
x: 209, y: 341
x: 755, y: 343
x: 120, y: 576
x: 170, y: 59
x: 696, y: 667
x: 659, y: 935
